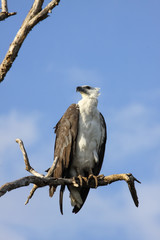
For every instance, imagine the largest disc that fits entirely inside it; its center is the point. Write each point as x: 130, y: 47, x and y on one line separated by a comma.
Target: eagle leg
x: 92, y: 178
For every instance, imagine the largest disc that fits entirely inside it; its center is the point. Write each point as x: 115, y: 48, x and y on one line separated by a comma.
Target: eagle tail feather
x: 61, y: 198
x: 83, y: 193
x: 76, y: 209
x: 76, y: 199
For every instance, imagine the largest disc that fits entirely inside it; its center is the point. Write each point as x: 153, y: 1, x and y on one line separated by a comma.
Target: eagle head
x: 87, y: 91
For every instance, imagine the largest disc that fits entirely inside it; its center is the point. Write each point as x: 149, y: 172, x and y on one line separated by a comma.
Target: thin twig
x: 34, y: 188
x: 26, y: 160
x: 51, y: 170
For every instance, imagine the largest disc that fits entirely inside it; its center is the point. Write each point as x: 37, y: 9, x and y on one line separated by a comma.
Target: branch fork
x: 40, y: 180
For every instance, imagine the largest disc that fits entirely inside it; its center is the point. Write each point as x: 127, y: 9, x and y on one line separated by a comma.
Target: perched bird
x: 80, y: 145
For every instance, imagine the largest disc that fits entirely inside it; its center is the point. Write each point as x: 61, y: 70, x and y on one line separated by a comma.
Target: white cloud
x: 17, y: 125
x: 133, y: 129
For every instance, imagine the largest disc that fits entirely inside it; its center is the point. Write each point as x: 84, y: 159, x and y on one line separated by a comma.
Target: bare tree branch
x: 31, y: 170
x: 26, y: 160
x: 35, y: 15
x: 39, y: 180
x: 4, y: 13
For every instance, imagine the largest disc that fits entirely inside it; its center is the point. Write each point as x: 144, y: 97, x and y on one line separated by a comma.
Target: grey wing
x: 102, y: 145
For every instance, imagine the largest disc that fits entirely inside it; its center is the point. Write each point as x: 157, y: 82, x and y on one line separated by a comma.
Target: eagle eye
x: 88, y: 87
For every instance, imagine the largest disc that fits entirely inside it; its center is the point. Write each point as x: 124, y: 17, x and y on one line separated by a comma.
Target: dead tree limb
x: 4, y: 13
x: 35, y: 15
x: 40, y: 180
x: 26, y: 160
x: 31, y: 170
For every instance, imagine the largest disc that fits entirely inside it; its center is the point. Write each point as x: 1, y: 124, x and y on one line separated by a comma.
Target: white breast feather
x: 89, y: 135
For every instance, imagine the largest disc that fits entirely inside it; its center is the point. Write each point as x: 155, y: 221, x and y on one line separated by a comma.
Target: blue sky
x: 114, y: 45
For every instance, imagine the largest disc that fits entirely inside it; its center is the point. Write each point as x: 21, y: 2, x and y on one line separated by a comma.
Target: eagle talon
x: 75, y: 184
x: 81, y: 180
x: 93, y: 178
x: 100, y: 176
